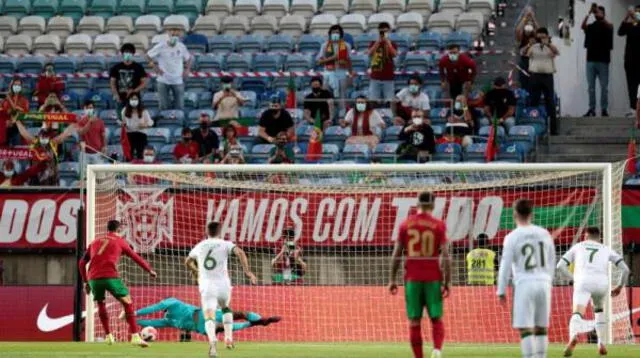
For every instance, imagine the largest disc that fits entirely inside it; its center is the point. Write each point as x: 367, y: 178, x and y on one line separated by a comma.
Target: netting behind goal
x: 345, y: 221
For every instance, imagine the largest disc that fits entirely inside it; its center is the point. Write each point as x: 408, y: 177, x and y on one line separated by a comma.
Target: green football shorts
x: 114, y: 285
x: 419, y: 295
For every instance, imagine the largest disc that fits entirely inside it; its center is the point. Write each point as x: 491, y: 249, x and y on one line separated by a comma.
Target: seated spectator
x: 187, y: 151
x: 92, y: 132
x: 419, y: 139
x: 275, y: 120
x: 381, y: 66
x: 233, y: 156
x: 227, y: 101
x: 366, y: 124
x: 136, y: 118
x: 230, y: 140
x: 206, y: 138
x: 12, y: 105
x: 334, y: 55
x: 460, y: 121
x: 281, y: 153
x: 409, y: 99
x: 52, y: 104
x: 148, y: 157
x: 457, y: 70
x: 48, y: 83
x: 318, y: 102
x: 501, y: 103
x: 9, y: 176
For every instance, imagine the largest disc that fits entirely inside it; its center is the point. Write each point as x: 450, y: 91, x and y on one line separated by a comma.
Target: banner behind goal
x: 346, y: 219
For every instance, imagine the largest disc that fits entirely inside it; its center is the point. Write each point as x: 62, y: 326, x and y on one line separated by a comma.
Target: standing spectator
x: 319, y: 101
x: 598, y: 41
x: 227, y: 101
x: 281, y: 154
x: 10, y: 107
x: 630, y: 27
x: 381, y: 70
x: 136, y: 118
x: 174, y: 63
x: 52, y: 104
x: 92, y: 132
x: 409, y: 99
x: 457, y: 70
x: 501, y: 103
x: 288, y: 265
x: 126, y: 77
x: 541, y: 68
x: 419, y: 140
x: 334, y: 56
x: 186, y: 151
x: 206, y: 138
x: 525, y: 34
x: 48, y: 83
x: 273, y: 121
x: 366, y: 124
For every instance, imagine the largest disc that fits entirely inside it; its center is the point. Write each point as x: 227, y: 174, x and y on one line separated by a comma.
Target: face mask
x: 44, y: 141
x: 453, y: 57
x: 414, y: 88
x: 8, y: 173
x: 457, y: 106
x: 148, y: 158
x: 275, y: 108
x: 16, y: 88
x: 637, y: 16
x: 335, y: 37
x: 127, y: 56
x: 133, y: 103
x: 54, y: 125
x: 49, y: 71
x: 204, y: 125
x: 416, y: 121
x: 361, y: 107
x: 316, y: 90
x: 88, y: 112
x: 173, y: 40
x: 186, y: 139
x: 528, y: 28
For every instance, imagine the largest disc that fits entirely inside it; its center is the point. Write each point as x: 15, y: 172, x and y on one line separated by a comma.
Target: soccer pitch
x: 279, y: 350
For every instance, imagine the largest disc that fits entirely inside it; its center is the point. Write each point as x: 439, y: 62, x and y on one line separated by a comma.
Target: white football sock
x: 227, y: 321
x: 574, y: 325
x: 210, y: 328
x: 528, y: 346
x: 542, y: 342
x: 601, y: 326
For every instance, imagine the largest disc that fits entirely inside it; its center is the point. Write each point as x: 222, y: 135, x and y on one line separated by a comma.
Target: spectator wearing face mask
x: 460, y: 121
x: 419, y: 140
x: 52, y: 105
x: 334, y: 55
x: 92, y: 132
x: 409, y: 99
x: 381, y: 66
x: 206, y: 138
x: 127, y: 77
x: 598, y: 41
x: 148, y: 157
x: 525, y: 34
x: 318, y: 102
x: 281, y: 153
x: 174, y: 63
x: 186, y: 151
x: 365, y: 122
x: 273, y: 121
x: 457, y: 70
x: 48, y: 83
x: 135, y: 119
x: 630, y: 27
x: 541, y: 68
x: 10, y: 107
x: 501, y: 103
x: 10, y: 177
x: 227, y: 101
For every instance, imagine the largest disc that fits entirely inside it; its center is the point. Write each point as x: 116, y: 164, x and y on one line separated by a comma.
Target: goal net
x: 345, y: 219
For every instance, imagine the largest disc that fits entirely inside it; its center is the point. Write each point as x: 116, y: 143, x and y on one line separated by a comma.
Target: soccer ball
x: 149, y: 334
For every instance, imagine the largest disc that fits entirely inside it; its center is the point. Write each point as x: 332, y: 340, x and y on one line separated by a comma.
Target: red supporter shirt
x: 6, y: 112
x: 422, y: 237
x: 46, y: 85
x: 104, y: 254
x: 94, y: 137
x: 191, y: 150
x: 461, y: 71
x: 381, y: 66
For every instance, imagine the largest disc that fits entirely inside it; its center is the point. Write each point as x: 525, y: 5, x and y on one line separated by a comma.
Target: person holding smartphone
x: 381, y: 70
x: 598, y: 41
x: 630, y: 27
x: 288, y: 266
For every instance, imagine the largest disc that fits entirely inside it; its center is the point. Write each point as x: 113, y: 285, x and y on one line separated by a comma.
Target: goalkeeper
x: 186, y: 317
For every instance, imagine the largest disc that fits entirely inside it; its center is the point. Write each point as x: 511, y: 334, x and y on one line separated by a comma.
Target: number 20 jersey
x: 422, y: 237
x: 212, y: 256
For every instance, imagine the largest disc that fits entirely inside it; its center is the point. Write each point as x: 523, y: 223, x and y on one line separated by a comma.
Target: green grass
x: 273, y: 350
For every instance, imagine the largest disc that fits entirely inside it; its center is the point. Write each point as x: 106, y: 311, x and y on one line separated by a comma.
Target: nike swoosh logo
x: 48, y: 324
x: 626, y: 314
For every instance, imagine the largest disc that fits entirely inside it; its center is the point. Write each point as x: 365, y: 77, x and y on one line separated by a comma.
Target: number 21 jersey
x: 212, y: 256
x: 422, y: 237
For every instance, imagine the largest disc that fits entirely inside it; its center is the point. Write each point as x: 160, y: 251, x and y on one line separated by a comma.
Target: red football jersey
x: 104, y: 254
x: 422, y: 237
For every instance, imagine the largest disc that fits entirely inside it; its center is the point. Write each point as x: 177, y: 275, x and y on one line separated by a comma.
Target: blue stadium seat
x: 109, y: 117
x: 438, y: 130
x: 196, y: 43
x: 101, y: 84
x: 92, y: 64
x: 392, y: 134
x: 448, y: 152
x: 158, y: 136
x: 171, y: 117
x: 151, y: 100
x: 102, y: 8
x: 165, y: 154
x: 17, y: 8
x: 303, y: 132
x: 160, y: 8
x: 402, y: 40
x: 101, y: 100
x: 362, y: 41
x: 44, y: 8
x: 260, y: 153
x: 209, y: 63
x: 298, y: 62
x: 249, y: 112
x: 474, y: 153
x: 357, y: 152
x: 523, y: 135
x: 416, y: 62
x: 70, y: 100
x: 462, y: 39
x: 8, y: 65
x: 533, y: 116
x: 193, y: 117
x: 484, y: 131
x: 279, y: 43
x: 222, y: 44
x: 189, y: 8
x: 132, y: 8
x: 69, y: 170
x: 522, y: 96
x: 439, y: 115
x: 31, y: 64
x: 250, y: 44
x: 74, y: 9
x: 310, y: 43
x: 510, y: 152
x: 252, y: 98
x: 386, y: 152
x: 237, y: 62
x: 205, y: 100
x: 435, y: 96
x: 198, y: 84
x: 336, y: 135
x: 360, y: 62
x: 191, y: 99
x: 64, y: 64
x: 429, y: 41
x: 267, y: 62
x: 79, y: 86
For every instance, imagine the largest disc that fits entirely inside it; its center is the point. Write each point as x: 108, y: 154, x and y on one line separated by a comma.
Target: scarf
x: 343, y: 55
x: 365, y: 123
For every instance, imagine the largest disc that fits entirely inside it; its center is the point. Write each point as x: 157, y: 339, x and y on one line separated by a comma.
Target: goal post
x: 345, y: 219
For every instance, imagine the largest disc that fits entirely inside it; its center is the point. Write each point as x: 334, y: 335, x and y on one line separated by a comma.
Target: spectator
x: 206, y: 138
x: 334, y: 55
x: 630, y: 27
x: 127, y: 77
x: 457, y: 70
x: 419, y: 138
x: 598, y: 41
x: 501, y: 103
x: 381, y: 70
x: 275, y: 120
x: 233, y: 156
x: 319, y: 101
x: 12, y: 105
x: 638, y: 109
x: 92, y: 132
x: 409, y: 99
x: 460, y: 121
x: 481, y: 263
x: 136, y: 118
x: 48, y: 83
x: 281, y: 154
x: 230, y: 139
x: 52, y: 104
x: 174, y: 63
x: 148, y: 157
x: 366, y: 124
x: 227, y: 101
x: 525, y: 34
x: 288, y: 265
x: 9, y: 176
x: 541, y: 68
x: 186, y: 151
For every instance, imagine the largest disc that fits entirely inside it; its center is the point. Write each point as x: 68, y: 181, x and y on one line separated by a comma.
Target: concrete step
x: 591, y: 140
x: 596, y: 131
x: 597, y: 121
x: 581, y: 158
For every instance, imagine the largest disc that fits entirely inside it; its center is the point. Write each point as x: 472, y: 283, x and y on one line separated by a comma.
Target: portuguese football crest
x: 147, y: 218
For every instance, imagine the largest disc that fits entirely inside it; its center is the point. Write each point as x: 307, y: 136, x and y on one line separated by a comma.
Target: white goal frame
x: 92, y: 171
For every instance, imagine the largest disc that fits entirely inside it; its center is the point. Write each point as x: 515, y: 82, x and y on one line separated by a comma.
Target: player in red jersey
x: 423, y: 238
x: 104, y: 253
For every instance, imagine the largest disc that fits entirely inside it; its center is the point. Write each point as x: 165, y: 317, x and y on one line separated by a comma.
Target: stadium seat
x: 429, y: 41
x: 8, y: 26
x: 197, y: 84
x: 376, y: 19
x: 176, y: 21
x: 533, y: 116
x: 448, y: 152
x: 157, y: 39
x: 78, y: 44
x: 264, y: 25
x: 140, y: 41
x: 462, y: 39
x: 92, y: 64
x: 158, y: 137
x: 304, y: 8
x: 108, y: 44
x: 293, y: 25
x: 102, y: 8
x: 196, y: 43
x: 32, y: 25
x: 391, y: 134
x: 484, y: 131
x: 47, y: 45
x: 410, y: 23
x: 416, y: 62
x: 267, y: 62
x: 131, y: 8
x: 208, y: 25
x: 441, y: 22
x: 475, y: 153
x: 423, y: 7
x: 120, y: 25
x: 18, y: 45
x: 44, y: 8
x: 64, y: 64
x: 439, y: 115
x: 360, y: 62
x: 236, y: 62
x: 279, y: 43
x: 395, y: 7
x: 209, y: 63
x: 403, y: 40
x: 470, y: 22
x: 310, y: 43
x: 354, y: 24
x: 386, y: 152
x: 235, y: 25
x: 298, y: 62
x: 275, y: 8
x: 91, y: 25
x: 151, y: 100
x: 363, y: 7
x: 31, y: 64
x: 484, y: 7
x: 257, y: 85
x: 219, y: 8
x: 247, y: 8
x: 250, y: 44
x: 61, y: 26
x: 148, y: 25
x: 69, y: 170
x: 17, y: 8
x: 204, y: 101
x: 222, y: 44
x: 320, y: 24
x: 191, y: 9
x: 510, y: 153
x: 524, y: 135
x: 171, y: 117
x: 303, y: 132
x: 452, y: 7
x: 7, y: 66
x: 362, y: 41
x: 336, y: 135
x: 359, y: 153
x: 74, y: 9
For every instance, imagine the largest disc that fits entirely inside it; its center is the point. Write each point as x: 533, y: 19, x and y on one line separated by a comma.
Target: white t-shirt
x: 421, y: 101
x: 638, y: 92
x: 530, y: 253
x: 375, y: 121
x: 212, y: 256
x: 591, y: 261
x: 171, y: 61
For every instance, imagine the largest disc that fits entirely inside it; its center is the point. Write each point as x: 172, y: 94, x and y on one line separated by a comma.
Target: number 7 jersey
x: 212, y: 256
x: 591, y: 261
x: 422, y: 237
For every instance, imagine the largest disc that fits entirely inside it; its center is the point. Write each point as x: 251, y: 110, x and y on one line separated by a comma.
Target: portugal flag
x: 631, y: 154
x: 492, y: 144
x: 291, y: 94
x: 126, y: 146
x: 314, y: 150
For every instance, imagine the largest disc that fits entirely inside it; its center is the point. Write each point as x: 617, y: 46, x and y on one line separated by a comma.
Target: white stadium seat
x: 410, y: 23
x: 208, y: 25
x: 485, y: 7
x: 422, y: 7
x: 159, y: 38
x: 247, y: 8
x: 293, y: 25
x: 235, y: 25
x: 276, y: 8
x: 108, y: 44
x: 32, y: 25
x: 91, y: 25
x: 220, y: 8
x: 354, y: 24
x: 176, y: 21
x: 335, y: 7
x: 1, y: 44
x: 376, y: 19
x: 120, y: 25
x: 140, y: 41
x: 18, y: 44
x: 78, y: 44
x: 471, y: 22
x: 61, y: 26
x: 363, y: 7
x: 304, y: 8
x: 148, y: 25
x: 441, y: 22
x: 454, y: 7
x: 395, y: 7
x: 265, y: 25
x: 320, y: 24
x: 47, y: 45
x: 8, y: 25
